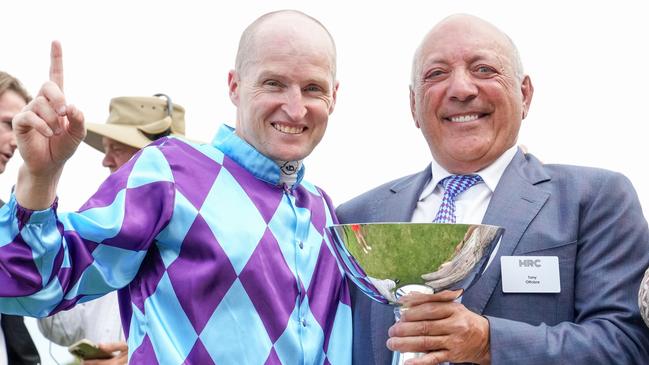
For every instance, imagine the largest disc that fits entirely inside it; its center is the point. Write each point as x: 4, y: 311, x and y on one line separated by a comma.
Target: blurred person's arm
x: 64, y: 328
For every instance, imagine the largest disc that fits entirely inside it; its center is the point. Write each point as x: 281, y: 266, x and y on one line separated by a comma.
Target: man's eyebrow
x: 431, y: 61
x: 477, y: 56
x: 484, y: 57
x: 321, y: 82
x: 324, y: 81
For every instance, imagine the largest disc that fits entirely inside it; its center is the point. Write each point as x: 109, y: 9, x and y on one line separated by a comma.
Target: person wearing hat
x: 133, y: 123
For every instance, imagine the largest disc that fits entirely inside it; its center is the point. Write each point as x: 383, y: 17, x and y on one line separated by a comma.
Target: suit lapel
x: 397, y: 204
x: 515, y: 203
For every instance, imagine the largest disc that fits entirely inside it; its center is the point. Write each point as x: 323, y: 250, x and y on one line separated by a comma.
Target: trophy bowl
x: 389, y: 260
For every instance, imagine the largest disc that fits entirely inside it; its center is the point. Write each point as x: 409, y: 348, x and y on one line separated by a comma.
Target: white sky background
x: 587, y: 61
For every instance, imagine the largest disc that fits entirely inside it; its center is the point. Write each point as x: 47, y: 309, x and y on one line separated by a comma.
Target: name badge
x: 530, y: 274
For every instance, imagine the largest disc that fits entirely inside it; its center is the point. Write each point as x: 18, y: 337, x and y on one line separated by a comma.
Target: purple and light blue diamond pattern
x: 233, y: 266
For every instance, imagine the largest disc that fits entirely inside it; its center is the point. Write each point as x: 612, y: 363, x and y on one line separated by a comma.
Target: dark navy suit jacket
x: 589, y: 218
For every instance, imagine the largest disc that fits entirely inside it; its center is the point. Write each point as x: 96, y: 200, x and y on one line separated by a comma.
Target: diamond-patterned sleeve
x: 49, y: 260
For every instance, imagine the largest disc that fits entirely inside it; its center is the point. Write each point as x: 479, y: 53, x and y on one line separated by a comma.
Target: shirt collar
x: 262, y: 167
x: 490, y: 175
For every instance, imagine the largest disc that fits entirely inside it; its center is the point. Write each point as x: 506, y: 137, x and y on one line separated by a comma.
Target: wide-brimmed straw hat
x: 137, y: 121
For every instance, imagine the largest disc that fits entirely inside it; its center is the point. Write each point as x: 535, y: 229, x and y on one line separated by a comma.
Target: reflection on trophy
x: 643, y: 298
x: 389, y: 260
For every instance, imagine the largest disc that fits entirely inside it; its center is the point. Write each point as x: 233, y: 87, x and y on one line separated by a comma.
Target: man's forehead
x: 468, y: 38
x: 11, y: 100
x: 290, y: 40
x: 466, y: 35
x: 464, y: 54
x: 305, y: 73
x: 286, y: 57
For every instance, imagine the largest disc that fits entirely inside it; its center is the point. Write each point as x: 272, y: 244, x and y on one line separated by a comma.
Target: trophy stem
x: 399, y: 358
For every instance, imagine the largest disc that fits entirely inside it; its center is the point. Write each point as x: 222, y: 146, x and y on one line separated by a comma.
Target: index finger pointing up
x: 56, y: 64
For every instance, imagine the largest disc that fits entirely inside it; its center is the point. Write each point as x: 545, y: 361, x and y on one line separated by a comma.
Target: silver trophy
x: 643, y: 297
x: 389, y: 260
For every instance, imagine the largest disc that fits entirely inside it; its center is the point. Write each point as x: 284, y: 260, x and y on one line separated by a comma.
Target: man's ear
x: 333, y: 96
x: 233, y: 86
x: 413, y: 106
x: 527, y: 90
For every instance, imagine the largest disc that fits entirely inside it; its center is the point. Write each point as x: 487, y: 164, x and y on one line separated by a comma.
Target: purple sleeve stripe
x: 36, y: 255
x: 19, y: 275
x: 147, y: 211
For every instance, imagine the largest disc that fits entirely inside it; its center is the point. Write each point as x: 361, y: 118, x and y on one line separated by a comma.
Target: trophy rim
x: 414, y: 224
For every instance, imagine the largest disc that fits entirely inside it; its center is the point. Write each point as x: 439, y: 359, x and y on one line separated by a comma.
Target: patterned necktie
x: 454, y: 185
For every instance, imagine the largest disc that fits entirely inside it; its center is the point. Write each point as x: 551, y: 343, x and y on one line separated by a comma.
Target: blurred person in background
x: 16, y: 345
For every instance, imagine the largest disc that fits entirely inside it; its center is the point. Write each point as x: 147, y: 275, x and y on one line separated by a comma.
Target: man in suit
x: 18, y: 346
x: 468, y: 96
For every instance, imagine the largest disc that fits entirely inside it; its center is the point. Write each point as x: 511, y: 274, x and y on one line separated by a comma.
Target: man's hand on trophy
x: 442, y: 328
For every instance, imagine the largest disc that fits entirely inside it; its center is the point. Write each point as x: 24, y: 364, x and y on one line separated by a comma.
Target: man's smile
x: 287, y: 128
x: 465, y: 118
